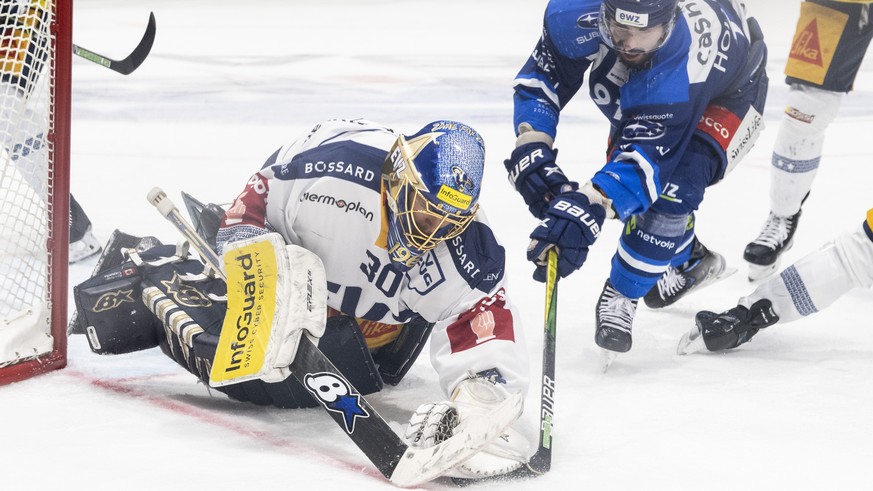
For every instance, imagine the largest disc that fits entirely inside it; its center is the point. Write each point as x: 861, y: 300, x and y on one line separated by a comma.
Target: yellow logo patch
x: 251, y: 297
x: 815, y: 40
x: 455, y: 198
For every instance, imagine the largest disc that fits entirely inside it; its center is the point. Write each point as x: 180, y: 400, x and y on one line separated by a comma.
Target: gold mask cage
x: 424, y: 223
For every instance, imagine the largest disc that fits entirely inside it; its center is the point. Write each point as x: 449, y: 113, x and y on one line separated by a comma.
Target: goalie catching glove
x: 434, y: 423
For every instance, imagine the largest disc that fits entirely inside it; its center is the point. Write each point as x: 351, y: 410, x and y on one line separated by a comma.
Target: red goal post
x: 35, y: 79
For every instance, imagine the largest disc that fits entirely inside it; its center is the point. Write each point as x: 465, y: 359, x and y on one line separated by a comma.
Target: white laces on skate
x: 774, y: 232
x: 670, y: 283
x: 616, y: 310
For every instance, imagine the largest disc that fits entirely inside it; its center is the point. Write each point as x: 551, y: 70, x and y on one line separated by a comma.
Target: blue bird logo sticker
x: 335, y: 394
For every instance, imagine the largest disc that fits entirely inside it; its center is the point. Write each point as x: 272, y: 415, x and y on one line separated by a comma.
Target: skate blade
x: 691, y: 342
x: 725, y: 273
x: 757, y: 273
x: 606, y: 359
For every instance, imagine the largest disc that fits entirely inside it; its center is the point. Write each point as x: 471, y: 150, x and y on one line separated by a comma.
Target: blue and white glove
x: 571, y: 224
x: 534, y: 173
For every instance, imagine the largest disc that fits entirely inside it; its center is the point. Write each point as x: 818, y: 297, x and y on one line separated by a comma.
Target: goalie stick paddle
x: 133, y: 60
x: 402, y: 465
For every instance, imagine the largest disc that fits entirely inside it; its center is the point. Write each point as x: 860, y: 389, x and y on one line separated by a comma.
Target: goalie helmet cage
x: 35, y: 79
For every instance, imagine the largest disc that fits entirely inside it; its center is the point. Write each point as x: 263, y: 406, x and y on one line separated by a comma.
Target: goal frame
x: 59, y: 177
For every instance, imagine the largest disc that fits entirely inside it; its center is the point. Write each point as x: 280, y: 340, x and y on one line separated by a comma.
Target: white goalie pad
x: 275, y: 294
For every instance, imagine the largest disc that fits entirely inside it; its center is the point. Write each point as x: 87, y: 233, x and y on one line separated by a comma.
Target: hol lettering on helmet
x: 339, y: 167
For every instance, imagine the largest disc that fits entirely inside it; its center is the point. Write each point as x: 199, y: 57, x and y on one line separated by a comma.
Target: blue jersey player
x: 682, y: 84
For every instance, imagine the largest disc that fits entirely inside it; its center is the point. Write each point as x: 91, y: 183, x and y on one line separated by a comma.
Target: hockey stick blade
x: 402, y: 465
x: 133, y: 60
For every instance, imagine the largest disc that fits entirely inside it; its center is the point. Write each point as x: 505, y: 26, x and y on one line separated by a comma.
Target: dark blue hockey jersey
x: 653, y: 111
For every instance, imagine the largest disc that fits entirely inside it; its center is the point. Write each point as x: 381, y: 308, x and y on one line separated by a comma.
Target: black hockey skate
x: 718, y: 332
x: 614, y: 320
x: 704, y: 267
x: 776, y: 237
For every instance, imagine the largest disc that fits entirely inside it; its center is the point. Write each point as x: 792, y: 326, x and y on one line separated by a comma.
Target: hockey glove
x: 571, y: 224
x: 432, y: 424
x: 534, y: 173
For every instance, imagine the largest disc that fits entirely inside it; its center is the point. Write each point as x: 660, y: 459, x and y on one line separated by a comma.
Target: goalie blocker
x: 186, y: 314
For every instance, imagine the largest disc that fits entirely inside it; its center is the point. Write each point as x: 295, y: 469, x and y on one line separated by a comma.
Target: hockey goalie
x: 408, y: 257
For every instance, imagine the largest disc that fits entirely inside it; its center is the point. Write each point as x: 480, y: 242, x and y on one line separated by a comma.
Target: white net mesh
x: 25, y: 179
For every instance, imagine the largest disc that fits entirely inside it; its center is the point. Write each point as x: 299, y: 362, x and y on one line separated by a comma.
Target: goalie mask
x: 433, y: 183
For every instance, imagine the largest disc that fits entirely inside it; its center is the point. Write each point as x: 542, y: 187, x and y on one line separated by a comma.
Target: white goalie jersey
x: 325, y: 192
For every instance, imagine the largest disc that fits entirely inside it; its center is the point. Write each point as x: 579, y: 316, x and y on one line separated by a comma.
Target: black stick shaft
x: 541, y: 461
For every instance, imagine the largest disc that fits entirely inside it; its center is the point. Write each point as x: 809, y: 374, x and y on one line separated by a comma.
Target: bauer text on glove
x: 571, y: 224
x: 534, y: 173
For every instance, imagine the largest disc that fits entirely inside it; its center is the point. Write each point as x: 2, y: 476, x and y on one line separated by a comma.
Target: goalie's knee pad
x: 397, y: 357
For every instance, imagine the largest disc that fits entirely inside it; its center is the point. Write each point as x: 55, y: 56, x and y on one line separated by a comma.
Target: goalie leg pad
x: 396, y: 358
x: 342, y: 343
x: 276, y: 294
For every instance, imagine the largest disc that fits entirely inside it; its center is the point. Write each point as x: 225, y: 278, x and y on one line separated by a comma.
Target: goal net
x: 35, y: 51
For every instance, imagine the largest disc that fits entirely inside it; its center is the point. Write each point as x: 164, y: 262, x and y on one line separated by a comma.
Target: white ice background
x: 228, y: 82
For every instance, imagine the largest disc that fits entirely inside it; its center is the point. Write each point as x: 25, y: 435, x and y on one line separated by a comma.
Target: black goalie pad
x: 168, y: 301
x: 111, y: 310
x: 397, y: 357
x: 342, y: 343
x: 111, y: 257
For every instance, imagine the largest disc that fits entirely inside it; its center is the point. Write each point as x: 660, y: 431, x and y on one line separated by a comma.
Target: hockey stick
x: 541, y: 461
x: 403, y: 465
x: 133, y: 60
